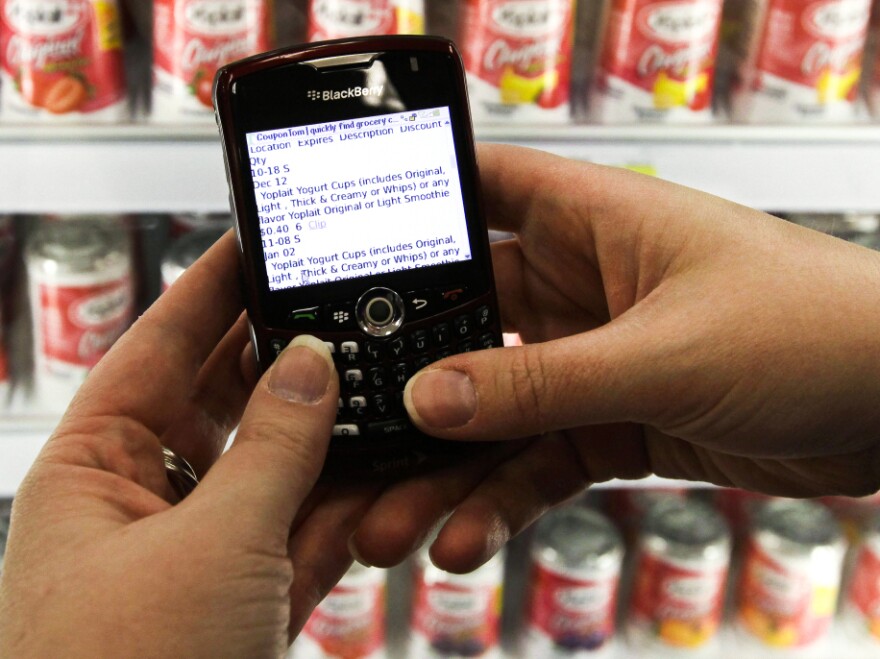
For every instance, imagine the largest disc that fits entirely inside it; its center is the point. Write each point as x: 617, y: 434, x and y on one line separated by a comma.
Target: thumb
x: 509, y: 393
x: 282, y: 440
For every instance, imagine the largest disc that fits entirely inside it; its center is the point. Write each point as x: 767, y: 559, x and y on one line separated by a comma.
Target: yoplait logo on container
x: 45, y: 18
x: 343, y: 603
x: 530, y: 18
x: 788, y: 587
x: 584, y: 598
x: 680, y: 22
x: 840, y: 19
x: 458, y: 603
x: 101, y: 309
x: 348, y: 16
x: 214, y: 17
x: 692, y: 589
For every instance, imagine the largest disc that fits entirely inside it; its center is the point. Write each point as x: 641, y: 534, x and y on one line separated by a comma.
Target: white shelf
x: 118, y: 169
x: 18, y: 450
x: 150, y: 168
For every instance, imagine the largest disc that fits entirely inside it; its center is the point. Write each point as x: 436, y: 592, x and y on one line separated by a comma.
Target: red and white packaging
x: 191, y: 40
x: 518, y: 56
x: 802, y: 61
x: 61, y: 59
x: 680, y: 601
x: 338, y: 19
x: 350, y: 622
x: 683, y: 555
x: 862, y: 610
x: 82, y: 299
x: 576, y: 560
x: 657, y: 62
x: 791, y: 575
x: 456, y: 615
x: 571, y: 612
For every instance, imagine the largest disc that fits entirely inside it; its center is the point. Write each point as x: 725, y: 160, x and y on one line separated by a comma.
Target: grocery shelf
x: 152, y: 168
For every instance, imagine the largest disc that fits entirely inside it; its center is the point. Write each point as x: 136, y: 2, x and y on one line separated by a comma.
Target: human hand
x: 100, y: 563
x: 667, y: 332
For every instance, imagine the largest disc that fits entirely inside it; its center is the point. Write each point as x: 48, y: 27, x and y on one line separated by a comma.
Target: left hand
x: 101, y: 562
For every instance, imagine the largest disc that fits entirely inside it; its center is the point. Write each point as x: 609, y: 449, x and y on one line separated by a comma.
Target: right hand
x: 667, y: 331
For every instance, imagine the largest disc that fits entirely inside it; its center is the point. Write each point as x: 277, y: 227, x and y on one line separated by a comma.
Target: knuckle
x: 528, y: 385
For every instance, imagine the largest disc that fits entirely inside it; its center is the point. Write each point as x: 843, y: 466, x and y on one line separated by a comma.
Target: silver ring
x: 180, y: 473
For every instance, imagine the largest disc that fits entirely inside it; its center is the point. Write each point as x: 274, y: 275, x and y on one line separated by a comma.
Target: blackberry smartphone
x: 354, y: 185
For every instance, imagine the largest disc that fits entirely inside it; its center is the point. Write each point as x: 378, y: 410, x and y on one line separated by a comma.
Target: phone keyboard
x: 373, y: 371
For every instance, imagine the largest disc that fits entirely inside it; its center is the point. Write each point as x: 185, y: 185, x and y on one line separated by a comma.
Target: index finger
x: 148, y: 374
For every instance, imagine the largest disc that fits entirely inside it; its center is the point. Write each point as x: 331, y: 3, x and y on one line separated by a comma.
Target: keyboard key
x: 464, y: 326
x: 400, y: 374
x: 377, y: 378
x: 304, y: 319
x: 397, y: 347
x: 358, y: 405
x: 487, y: 341
x: 346, y: 430
x: 390, y: 427
x: 483, y: 316
x: 354, y: 379
x: 420, y: 304
x: 350, y: 352
x: 419, y: 340
x: 442, y: 334
x: 381, y: 404
x: 375, y: 351
x: 452, y: 296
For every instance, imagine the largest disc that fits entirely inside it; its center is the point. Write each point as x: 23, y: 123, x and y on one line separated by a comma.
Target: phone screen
x: 358, y: 197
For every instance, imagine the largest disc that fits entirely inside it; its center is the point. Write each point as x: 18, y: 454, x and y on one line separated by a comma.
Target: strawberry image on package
x: 61, y: 60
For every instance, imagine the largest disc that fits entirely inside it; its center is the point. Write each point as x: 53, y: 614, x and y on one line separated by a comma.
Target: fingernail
x: 302, y: 372
x: 355, y: 554
x: 440, y: 399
